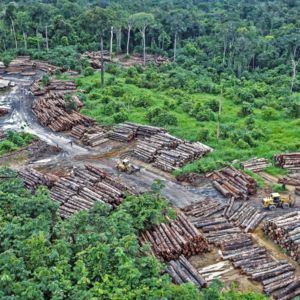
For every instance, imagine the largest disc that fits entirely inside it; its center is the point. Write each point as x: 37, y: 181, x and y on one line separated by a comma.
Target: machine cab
x: 275, y: 197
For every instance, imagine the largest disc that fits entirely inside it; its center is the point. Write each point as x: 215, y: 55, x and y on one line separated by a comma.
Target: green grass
x: 278, y: 135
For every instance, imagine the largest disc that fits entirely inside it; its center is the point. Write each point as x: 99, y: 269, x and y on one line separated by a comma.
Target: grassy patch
x: 192, y: 116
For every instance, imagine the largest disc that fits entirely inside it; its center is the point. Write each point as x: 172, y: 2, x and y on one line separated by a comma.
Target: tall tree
x: 141, y: 21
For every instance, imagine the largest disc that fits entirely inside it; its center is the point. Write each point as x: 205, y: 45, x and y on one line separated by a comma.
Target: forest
x: 230, y: 81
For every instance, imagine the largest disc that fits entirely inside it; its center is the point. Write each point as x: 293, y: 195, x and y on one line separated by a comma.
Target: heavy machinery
x: 276, y: 200
x: 125, y: 166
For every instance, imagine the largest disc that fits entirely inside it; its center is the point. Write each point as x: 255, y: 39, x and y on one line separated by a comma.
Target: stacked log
x: 289, y: 161
x: 51, y: 112
x: 181, y: 271
x: 86, y: 186
x: 94, y: 58
x: 291, y: 179
x: 285, y: 231
x: 256, y: 164
x: 95, y: 139
x: 177, y: 237
x: 32, y: 178
x: 57, y: 86
x: 161, y: 60
x: 4, y: 84
x: 184, y: 153
x: 3, y: 111
x: 78, y: 131
x: 233, y: 183
x: 220, y: 227
x: 23, y: 65
x: 247, y: 217
x: 297, y: 190
x: 123, y: 132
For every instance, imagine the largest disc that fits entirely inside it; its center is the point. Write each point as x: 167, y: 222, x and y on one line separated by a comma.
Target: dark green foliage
x: 14, y: 141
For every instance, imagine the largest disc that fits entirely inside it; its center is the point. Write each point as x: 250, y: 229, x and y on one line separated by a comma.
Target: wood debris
x: 289, y: 161
x: 256, y: 164
x: 285, y: 231
x: 231, y: 182
x: 182, y: 271
x: 215, y: 271
x: 57, y: 86
x: 177, y: 237
x: 94, y: 58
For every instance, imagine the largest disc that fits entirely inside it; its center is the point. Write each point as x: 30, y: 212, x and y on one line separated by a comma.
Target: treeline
x: 236, y: 37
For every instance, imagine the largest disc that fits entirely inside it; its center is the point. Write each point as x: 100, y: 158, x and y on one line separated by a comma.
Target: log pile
x: 291, y: 179
x: 177, y: 237
x: 86, y: 186
x: 127, y: 131
x: 95, y: 138
x: 231, y: 182
x: 57, y: 86
x: 3, y: 111
x: 2, y: 135
x: 25, y: 66
x: 256, y: 164
x: 181, y: 271
x: 219, y: 225
x: 290, y: 161
x: 4, y: 84
x: 215, y: 271
x: 32, y: 178
x: 297, y: 190
x: 247, y: 217
x: 94, y: 58
x: 51, y: 112
x: 285, y: 231
x: 161, y: 60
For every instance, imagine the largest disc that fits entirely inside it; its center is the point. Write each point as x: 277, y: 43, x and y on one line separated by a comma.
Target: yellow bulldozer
x: 126, y: 167
x: 276, y: 200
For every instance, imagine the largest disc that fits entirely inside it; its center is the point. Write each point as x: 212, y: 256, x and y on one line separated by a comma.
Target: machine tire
x: 272, y: 207
x: 285, y: 206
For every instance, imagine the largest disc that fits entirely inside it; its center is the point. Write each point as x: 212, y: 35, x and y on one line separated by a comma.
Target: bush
x: 269, y: 113
x: 203, y: 135
x: 246, y: 110
x: 45, y: 80
x: 88, y: 71
x: 159, y: 117
x: 120, y: 117
x: 7, y: 146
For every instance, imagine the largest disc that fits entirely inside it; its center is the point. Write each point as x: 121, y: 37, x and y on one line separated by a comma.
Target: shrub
x: 246, y: 110
x: 45, y: 80
x: 203, y: 134
x: 120, y: 117
x: 242, y: 144
x: 269, y: 113
x: 88, y: 71
x: 7, y: 146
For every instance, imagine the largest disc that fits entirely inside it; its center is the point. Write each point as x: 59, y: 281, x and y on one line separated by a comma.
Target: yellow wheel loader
x: 126, y: 167
x: 276, y: 200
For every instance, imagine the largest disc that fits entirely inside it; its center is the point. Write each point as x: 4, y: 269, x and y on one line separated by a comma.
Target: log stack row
x: 92, y: 136
x: 290, y: 161
x: 86, y: 186
x: 285, y: 231
x: 51, y: 112
x: 57, y: 86
x: 275, y: 276
x: 32, y: 178
x: 297, y: 190
x: 239, y: 247
x: 169, y: 241
x: 128, y: 131
x: 23, y: 65
x: 181, y: 271
x: 291, y: 179
x: 233, y: 183
x: 2, y: 67
x: 256, y: 164
x: 94, y: 58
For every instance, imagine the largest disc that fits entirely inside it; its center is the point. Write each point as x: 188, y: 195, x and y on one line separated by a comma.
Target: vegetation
x: 93, y: 255
x: 14, y: 141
